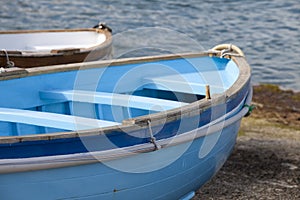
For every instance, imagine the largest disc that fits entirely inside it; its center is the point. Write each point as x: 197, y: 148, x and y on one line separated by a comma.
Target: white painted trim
x: 47, y: 41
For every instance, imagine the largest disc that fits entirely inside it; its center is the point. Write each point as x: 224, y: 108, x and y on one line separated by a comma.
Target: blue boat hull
x: 101, y: 181
x: 136, y: 128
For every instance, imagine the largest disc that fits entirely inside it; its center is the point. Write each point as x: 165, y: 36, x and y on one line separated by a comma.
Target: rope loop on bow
x: 9, y: 63
x: 228, y: 50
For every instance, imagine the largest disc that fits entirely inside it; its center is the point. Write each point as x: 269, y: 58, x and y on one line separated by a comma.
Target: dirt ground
x: 265, y: 163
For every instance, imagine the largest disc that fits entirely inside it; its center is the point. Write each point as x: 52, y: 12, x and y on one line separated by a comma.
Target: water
x: 267, y: 31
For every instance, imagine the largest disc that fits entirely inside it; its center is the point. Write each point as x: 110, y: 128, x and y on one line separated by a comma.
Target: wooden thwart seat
x: 191, y: 83
x: 113, y: 99
x: 53, y: 120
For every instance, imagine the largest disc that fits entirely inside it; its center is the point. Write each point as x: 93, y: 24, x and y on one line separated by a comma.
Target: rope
x: 103, y: 26
x: 152, y: 138
x: 8, y: 62
x: 228, y: 50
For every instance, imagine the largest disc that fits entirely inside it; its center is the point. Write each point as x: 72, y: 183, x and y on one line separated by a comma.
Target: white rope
x: 8, y: 62
x: 227, y: 50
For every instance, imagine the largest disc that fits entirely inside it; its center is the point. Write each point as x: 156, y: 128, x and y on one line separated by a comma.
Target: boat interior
x: 45, y: 42
x: 98, y: 97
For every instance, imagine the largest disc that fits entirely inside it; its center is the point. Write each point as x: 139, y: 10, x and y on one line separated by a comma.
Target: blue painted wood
x: 74, y: 145
x: 194, y: 83
x: 113, y: 99
x: 51, y: 120
x: 47, y: 102
x: 24, y: 92
x: 191, y: 83
x: 188, y: 196
x: 163, y: 178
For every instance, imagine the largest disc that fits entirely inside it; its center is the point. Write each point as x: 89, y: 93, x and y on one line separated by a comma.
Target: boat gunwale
x: 68, y: 160
x: 137, y: 123
x: 37, y: 54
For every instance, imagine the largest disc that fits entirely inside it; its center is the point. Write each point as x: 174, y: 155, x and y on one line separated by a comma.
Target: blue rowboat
x: 152, y: 127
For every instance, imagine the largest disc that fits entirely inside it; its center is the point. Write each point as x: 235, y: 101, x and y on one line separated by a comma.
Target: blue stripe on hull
x: 98, y: 181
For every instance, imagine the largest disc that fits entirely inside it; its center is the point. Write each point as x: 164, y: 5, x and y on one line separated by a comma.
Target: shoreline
x: 276, y: 105
x: 280, y: 87
x: 265, y: 163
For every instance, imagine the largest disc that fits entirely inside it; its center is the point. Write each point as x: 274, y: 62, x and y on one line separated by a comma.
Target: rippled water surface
x: 267, y: 31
